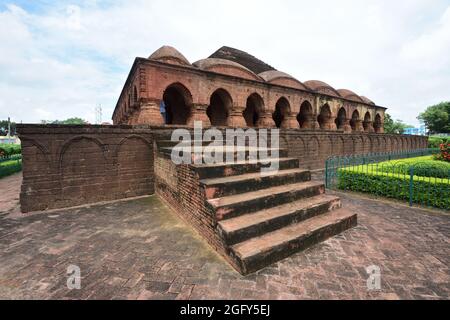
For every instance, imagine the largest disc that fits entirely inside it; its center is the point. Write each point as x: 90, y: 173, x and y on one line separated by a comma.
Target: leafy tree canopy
x: 394, y: 126
x: 74, y: 120
x: 437, y: 118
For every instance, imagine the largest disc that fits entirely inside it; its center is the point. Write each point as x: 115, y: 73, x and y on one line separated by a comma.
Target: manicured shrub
x: 426, y: 191
x: 9, y: 150
x: 9, y: 167
x: 425, y: 166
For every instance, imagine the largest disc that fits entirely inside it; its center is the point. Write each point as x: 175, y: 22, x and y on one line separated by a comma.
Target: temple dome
x: 169, y: 54
x: 350, y: 95
x: 282, y: 78
x: 367, y: 100
x: 226, y: 67
x: 321, y: 87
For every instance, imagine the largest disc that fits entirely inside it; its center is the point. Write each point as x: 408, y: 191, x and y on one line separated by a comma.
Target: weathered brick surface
x: 140, y: 250
x: 73, y: 165
x: 312, y: 148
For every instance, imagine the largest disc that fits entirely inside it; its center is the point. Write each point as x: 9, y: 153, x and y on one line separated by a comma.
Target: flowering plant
x: 445, y: 152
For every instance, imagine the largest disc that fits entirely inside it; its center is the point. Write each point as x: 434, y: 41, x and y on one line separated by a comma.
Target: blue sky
x: 59, y: 59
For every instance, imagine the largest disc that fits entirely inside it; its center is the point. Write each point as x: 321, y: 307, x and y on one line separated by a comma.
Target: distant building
x: 421, y: 131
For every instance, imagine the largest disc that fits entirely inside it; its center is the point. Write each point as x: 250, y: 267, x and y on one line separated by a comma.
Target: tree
x: 71, y: 121
x: 4, y: 128
x: 437, y: 118
x: 397, y: 126
x: 74, y: 120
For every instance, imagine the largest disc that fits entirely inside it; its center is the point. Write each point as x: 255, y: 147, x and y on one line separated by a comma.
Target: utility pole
x: 98, y: 114
x: 9, y: 128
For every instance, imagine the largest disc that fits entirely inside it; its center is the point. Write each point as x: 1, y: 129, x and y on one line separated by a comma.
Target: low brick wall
x: 73, y: 165
x: 179, y: 187
x: 314, y: 147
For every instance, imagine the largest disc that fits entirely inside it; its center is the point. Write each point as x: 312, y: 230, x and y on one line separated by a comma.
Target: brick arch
x: 367, y: 120
x: 134, y: 176
x: 178, y: 101
x: 358, y: 145
x: 341, y: 118
x: 313, y: 147
x: 353, y: 120
x: 325, y: 118
x: 253, y: 109
x: 326, y: 147
x: 220, y: 106
x: 378, y: 124
x: 83, y: 157
x: 282, y: 111
x: 305, y: 115
x: 339, y: 146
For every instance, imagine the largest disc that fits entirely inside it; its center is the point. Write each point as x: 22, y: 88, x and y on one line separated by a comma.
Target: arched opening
x: 377, y: 124
x: 282, y: 110
x: 219, y: 106
x: 324, y: 116
x: 367, y: 120
x: 135, y: 94
x: 305, y: 115
x: 341, y: 118
x: 354, y: 120
x: 253, y: 107
x: 178, y: 101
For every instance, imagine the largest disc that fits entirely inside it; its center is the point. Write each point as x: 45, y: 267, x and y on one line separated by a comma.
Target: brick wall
x: 314, y: 147
x: 73, y: 165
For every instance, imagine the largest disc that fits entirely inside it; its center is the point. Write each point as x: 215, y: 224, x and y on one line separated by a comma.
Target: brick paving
x: 140, y: 249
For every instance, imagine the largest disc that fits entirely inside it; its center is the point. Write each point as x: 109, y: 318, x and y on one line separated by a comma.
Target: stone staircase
x: 265, y: 218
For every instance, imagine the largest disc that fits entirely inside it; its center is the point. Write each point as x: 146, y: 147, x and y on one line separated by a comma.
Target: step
x: 227, y: 186
x: 170, y: 143
x: 232, y: 206
x: 208, y: 171
x: 252, y: 225
x: 234, y: 153
x: 257, y: 253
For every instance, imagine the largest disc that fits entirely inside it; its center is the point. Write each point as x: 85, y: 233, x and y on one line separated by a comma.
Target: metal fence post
x: 411, y: 185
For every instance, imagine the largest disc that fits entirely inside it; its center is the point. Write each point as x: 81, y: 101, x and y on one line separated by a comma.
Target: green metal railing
x: 10, y: 164
x: 422, y: 181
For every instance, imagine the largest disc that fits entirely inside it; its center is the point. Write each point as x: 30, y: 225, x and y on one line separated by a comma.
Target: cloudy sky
x: 60, y: 59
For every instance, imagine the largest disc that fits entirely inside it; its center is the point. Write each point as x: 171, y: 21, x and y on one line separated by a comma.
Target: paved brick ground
x: 140, y: 250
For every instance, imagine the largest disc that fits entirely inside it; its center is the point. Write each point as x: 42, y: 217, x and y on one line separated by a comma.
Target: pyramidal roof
x: 243, y: 58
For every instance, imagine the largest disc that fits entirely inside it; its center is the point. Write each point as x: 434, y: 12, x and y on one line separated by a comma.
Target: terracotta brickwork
x: 179, y: 187
x: 74, y: 165
x: 312, y: 148
x: 221, y: 92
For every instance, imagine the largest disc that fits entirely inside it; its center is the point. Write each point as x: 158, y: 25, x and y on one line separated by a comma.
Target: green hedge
x: 9, y: 149
x: 435, y: 142
x: 426, y: 191
x: 423, y: 166
x: 9, y: 167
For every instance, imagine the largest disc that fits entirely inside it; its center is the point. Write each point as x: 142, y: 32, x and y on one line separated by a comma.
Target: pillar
x: 369, y: 126
x: 290, y: 122
x: 149, y: 113
x: 359, y: 126
x: 198, y: 113
x: 346, y: 126
x: 311, y: 122
x: 265, y: 120
x: 236, y: 118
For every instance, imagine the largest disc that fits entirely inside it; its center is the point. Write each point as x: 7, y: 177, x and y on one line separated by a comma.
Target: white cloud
x: 66, y: 59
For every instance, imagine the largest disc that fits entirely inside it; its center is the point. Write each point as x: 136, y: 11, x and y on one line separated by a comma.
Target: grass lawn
x: 429, y: 185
